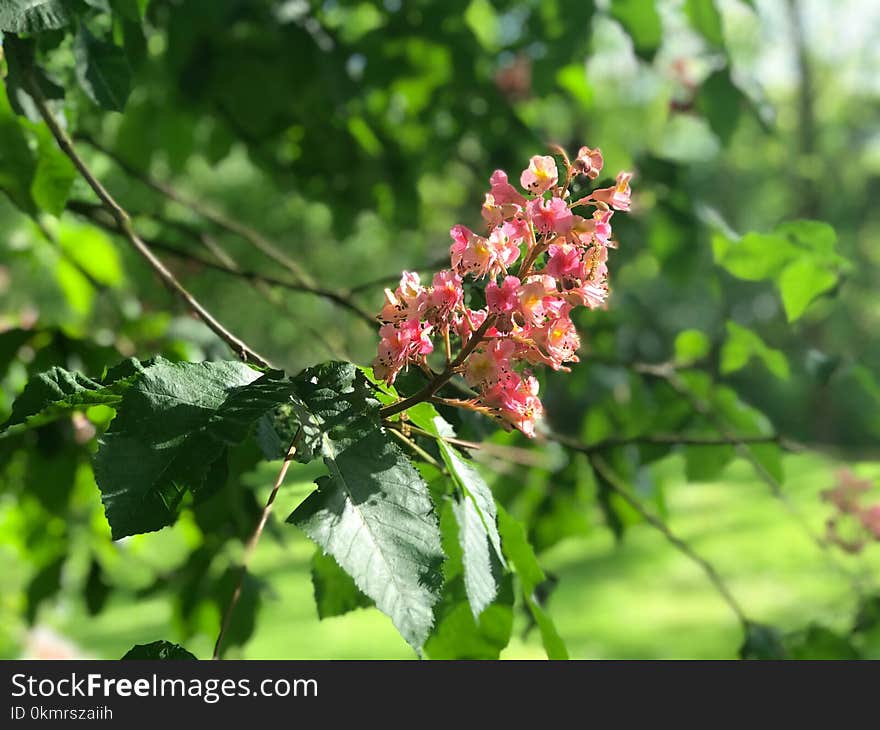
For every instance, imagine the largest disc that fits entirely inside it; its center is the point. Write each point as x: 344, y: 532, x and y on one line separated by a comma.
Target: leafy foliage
x: 158, y: 650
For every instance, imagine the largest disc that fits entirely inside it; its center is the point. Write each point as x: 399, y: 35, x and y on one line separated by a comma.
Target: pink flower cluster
x: 536, y: 262
x: 853, y: 522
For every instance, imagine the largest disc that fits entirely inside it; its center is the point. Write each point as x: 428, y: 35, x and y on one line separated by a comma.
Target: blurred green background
x: 352, y: 136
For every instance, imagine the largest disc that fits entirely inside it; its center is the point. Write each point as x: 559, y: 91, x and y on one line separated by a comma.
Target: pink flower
x: 589, y: 162
x: 407, y: 302
x: 588, y: 295
x: 505, y: 250
x: 618, y: 197
x: 602, y: 229
x: 490, y: 365
x: 401, y: 344
x: 550, y: 216
x: 516, y: 398
x: 565, y: 262
x: 444, y: 297
x: 560, y: 341
x: 470, y: 253
x: 503, y: 192
x: 536, y: 298
x: 503, y: 299
x: 540, y: 175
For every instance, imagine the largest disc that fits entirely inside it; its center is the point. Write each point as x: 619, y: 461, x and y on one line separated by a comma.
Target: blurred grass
x: 637, y: 599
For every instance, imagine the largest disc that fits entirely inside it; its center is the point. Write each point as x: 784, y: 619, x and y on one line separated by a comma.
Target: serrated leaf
x: 57, y: 392
x: 34, y: 16
x: 335, y: 590
x: 641, y: 21
x: 522, y: 557
x: 102, y: 71
x: 334, y: 406
x: 172, y: 425
x: 479, y: 581
x: 158, y: 650
x: 373, y: 514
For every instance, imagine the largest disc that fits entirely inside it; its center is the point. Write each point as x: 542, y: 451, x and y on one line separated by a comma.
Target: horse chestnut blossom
x: 539, y: 256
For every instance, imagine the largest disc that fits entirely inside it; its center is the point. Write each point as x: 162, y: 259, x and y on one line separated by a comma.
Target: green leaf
x: 521, y: 555
x: 17, y: 164
x: 705, y: 19
x: 691, y: 345
x: 458, y: 634
x: 57, y: 392
x: 373, y: 513
x: 819, y: 643
x: 482, y: 19
x: 335, y: 590
x: 171, y: 427
x: 756, y: 256
x: 474, y: 510
x: 742, y: 345
x: 641, y: 21
x: 102, y: 71
x: 34, y: 16
x: 334, y: 406
x: 721, y: 102
x: 158, y: 650
x: 54, y: 175
x: 801, y: 282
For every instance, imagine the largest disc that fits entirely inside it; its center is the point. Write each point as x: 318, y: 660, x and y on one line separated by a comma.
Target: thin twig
x: 123, y: 221
x: 661, y: 439
x: 617, y: 486
x: 251, y: 546
x: 671, y: 376
x: 91, y: 212
x: 418, y: 450
x: 251, y: 235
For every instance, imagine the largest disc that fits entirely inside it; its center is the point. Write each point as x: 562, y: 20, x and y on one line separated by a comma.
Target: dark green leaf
x: 721, y: 102
x: 172, y: 425
x: 762, y: 642
x: 58, y: 392
x: 45, y: 584
x: 742, y: 345
x: 817, y: 643
x: 335, y: 591
x: 97, y: 590
x: 102, y: 70
x: 158, y: 650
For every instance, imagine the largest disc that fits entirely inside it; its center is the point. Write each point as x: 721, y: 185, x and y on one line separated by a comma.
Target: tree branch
x: 616, y: 485
x: 92, y: 212
x: 221, y: 220
x: 123, y: 222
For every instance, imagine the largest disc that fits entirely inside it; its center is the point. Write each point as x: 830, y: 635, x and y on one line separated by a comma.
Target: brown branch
x: 251, y: 546
x: 123, y: 222
x: 92, y: 212
x: 616, y: 485
x: 221, y: 220
x: 442, y: 377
